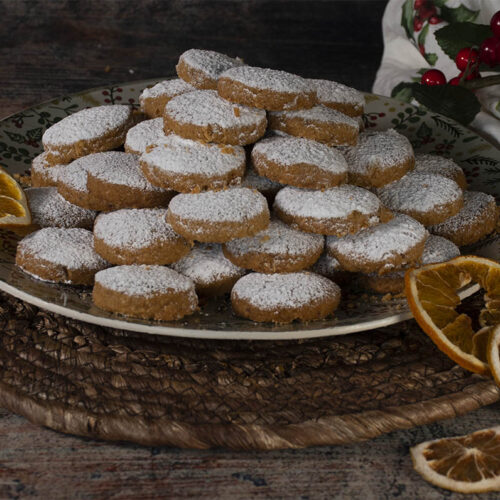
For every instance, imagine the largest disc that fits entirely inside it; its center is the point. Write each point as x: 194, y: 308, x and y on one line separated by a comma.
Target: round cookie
x: 154, y: 99
x: 276, y: 249
x: 283, y: 298
x: 434, y: 164
x: 148, y: 292
x: 218, y: 216
x: 49, y: 209
x: 266, y: 88
x: 428, y: 198
x: 436, y: 249
x: 379, y: 158
x: 477, y: 219
x: 210, y: 271
x: 204, y: 116
x: 186, y: 166
x: 335, y: 211
x: 43, y: 174
x: 320, y: 124
x: 138, y: 236
x: 337, y: 96
x: 299, y: 162
x: 330, y: 268
x: 380, y: 249
x: 144, y: 135
x: 60, y: 255
x: 265, y: 186
x: 116, y: 181
x: 88, y: 131
x: 202, y: 68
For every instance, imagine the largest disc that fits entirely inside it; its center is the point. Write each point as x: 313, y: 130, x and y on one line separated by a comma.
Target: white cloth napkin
x: 403, y: 62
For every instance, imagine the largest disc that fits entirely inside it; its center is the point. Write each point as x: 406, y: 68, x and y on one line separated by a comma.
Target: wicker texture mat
x: 103, y: 383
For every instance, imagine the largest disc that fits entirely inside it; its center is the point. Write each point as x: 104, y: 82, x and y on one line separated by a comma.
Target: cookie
x: 49, y: 209
x: 299, y: 162
x: 43, y: 174
x: 210, y: 271
x: 144, y: 135
x: 153, y: 100
x: 266, y: 88
x: 381, y: 249
x: 148, y: 292
x: 337, y: 96
x: 428, y: 198
x: 202, y: 68
x: 219, y: 216
x: 265, y: 186
x: 330, y: 268
x: 335, y: 211
x: 283, y: 298
x: 116, y: 181
x: 434, y: 164
x: 186, y: 166
x: 88, y: 131
x: 60, y: 255
x: 320, y: 124
x: 379, y: 158
x: 436, y: 249
x: 206, y: 117
x: 138, y: 236
x: 476, y: 219
x: 276, y: 249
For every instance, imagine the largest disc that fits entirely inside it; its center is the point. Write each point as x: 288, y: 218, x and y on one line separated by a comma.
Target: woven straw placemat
x: 103, y: 383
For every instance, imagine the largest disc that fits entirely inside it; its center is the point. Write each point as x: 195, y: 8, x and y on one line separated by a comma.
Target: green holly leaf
x: 423, y: 35
x: 459, y: 14
x: 456, y: 36
x: 35, y: 134
x: 424, y: 131
x: 403, y: 91
x: 15, y: 137
x: 431, y: 58
x: 453, y: 101
x: 407, y: 17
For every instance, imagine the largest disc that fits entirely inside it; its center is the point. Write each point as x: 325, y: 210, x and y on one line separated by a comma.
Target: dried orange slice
x: 432, y: 294
x: 14, y: 211
x: 466, y: 464
x: 493, y: 353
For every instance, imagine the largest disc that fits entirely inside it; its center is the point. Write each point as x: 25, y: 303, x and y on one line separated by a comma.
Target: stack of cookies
x: 242, y: 180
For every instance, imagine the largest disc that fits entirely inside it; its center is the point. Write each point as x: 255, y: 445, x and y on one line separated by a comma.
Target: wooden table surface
x: 51, y: 48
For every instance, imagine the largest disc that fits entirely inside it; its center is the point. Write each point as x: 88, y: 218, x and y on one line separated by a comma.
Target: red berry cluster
x: 425, y: 11
x: 468, y: 59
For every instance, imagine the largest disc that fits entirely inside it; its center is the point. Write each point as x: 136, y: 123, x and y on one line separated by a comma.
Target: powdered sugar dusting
x: 48, y: 208
x: 71, y: 248
x: 40, y: 165
x: 382, y: 150
x: 167, y: 88
x: 135, y: 228
x: 146, y: 281
x: 277, y: 239
x: 144, y: 134
x: 378, y: 243
x: 253, y: 180
x: 419, y: 191
x: 268, y: 79
x: 327, y: 265
x: 434, y: 164
x: 74, y: 175
x: 281, y: 291
x: 290, y: 150
x: 87, y: 124
x: 337, y: 202
x: 209, y: 62
x: 205, y: 107
x: 329, y: 92
x: 321, y: 114
x: 472, y: 213
x: 206, y: 265
x: 438, y: 249
x: 230, y: 205
x: 184, y: 156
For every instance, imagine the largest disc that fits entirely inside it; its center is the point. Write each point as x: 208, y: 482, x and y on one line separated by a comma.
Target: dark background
x: 54, y: 47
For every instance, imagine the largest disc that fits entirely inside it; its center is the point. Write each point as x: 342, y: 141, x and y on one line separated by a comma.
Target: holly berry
x: 417, y: 24
x: 435, y: 20
x: 433, y: 77
x: 495, y: 24
x: 419, y: 3
x: 467, y: 57
x: 427, y: 12
x: 471, y: 76
x: 455, y: 81
x: 488, y: 50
